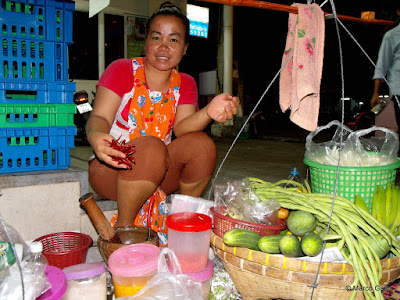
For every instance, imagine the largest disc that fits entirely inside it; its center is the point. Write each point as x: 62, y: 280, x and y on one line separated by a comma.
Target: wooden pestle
x: 98, y: 219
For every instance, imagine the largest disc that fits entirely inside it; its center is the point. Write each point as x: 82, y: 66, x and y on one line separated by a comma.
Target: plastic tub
x: 132, y: 267
x: 189, y: 237
x: 86, y: 281
x: 58, y: 282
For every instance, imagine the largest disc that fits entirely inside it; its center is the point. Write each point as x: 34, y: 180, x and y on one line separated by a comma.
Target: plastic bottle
x: 379, y: 107
x: 294, y: 176
x: 37, y: 262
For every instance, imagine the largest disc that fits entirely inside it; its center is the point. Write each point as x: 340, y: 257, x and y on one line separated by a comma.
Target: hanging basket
x: 260, y: 275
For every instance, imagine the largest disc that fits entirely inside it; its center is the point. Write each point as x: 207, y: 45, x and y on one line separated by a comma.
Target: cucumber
x: 311, y: 244
x: 239, y: 237
x: 270, y: 244
x: 290, y: 246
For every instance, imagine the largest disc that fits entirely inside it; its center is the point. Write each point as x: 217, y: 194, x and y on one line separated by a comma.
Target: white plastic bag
x: 168, y: 285
x: 183, y: 203
x: 357, y: 148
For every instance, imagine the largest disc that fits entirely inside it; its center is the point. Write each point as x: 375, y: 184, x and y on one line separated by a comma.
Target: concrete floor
x: 269, y: 158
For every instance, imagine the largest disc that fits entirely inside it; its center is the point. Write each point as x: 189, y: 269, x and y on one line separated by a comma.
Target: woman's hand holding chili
x: 223, y: 107
x: 101, y: 145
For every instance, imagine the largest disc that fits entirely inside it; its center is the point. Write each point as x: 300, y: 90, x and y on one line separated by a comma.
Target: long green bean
x: 347, y: 222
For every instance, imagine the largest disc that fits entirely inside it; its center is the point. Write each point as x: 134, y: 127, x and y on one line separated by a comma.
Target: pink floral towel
x: 301, y: 76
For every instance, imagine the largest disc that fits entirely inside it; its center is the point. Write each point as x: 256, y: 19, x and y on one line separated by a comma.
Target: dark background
x: 259, y: 41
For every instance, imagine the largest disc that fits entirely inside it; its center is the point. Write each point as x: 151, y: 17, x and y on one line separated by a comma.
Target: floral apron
x: 152, y: 113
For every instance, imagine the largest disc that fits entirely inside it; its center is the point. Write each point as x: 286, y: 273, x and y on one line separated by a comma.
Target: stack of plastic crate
x: 36, y: 100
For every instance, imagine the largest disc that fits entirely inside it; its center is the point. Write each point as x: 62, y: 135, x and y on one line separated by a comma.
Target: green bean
x: 375, y: 259
x: 349, y: 241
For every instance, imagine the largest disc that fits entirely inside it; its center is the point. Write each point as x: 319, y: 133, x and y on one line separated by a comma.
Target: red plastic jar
x: 189, y: 237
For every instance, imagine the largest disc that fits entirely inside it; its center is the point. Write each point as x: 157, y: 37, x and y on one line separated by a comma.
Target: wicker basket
x: 64, y: 249
x: 259, y: 275
x: 224, y: 223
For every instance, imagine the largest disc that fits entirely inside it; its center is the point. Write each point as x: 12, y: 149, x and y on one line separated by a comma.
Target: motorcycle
x: 83, y: 107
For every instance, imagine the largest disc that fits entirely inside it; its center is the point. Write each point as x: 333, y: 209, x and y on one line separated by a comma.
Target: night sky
x: 259, y: 41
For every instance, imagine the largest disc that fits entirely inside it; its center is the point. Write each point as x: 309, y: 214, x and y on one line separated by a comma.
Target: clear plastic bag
x: 222, y: 286
x: 356, y: 149
x: 16, y: 270
x: 238, y: 200
x: 374, y: 151
x: 183, y: 203
x: 169, y: 284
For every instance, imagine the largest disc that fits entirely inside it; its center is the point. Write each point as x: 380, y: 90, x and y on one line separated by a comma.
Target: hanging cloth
x: 300, y: 79
x: 152, y: 113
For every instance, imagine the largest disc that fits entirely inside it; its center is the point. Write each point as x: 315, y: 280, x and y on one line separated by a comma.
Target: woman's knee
x: 200, y: 152
x: 151, y: 160
x: 203, y: 145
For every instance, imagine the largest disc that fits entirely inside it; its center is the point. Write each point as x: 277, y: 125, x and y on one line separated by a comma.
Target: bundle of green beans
x: 348, y: 222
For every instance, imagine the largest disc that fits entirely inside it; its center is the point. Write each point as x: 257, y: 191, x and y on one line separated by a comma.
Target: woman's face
x: 165, y: 43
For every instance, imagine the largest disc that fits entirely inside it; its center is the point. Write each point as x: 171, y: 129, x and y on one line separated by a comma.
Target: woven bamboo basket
x: 259, y: 275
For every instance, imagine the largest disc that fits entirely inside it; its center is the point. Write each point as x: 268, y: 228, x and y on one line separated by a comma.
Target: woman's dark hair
x: 168, y: 9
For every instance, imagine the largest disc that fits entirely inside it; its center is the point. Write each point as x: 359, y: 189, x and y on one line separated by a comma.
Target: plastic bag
x: 222, y: 286
x: 183, y: 203
x: 14, y: 268
x: 356, y: 150
x: 375, y: 151
x: 238, y: 200
x: 169, y: 285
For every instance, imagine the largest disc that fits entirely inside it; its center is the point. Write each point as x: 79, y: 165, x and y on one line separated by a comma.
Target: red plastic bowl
x: 64, y: 249
x: 224, y: 223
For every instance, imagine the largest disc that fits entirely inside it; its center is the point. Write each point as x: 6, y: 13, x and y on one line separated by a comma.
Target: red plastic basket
x: 64, y: 249
x: 224, y: 223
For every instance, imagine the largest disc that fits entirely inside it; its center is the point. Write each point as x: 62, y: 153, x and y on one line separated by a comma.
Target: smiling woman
x: 142, y: 101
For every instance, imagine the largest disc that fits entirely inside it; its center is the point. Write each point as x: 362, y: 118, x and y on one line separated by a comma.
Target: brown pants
x: 188, y: 159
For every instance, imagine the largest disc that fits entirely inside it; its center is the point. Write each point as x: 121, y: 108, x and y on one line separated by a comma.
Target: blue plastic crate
x: 48, y: 20
x: 32, y: 149
x: 23, y: 92
x: 33, y: 60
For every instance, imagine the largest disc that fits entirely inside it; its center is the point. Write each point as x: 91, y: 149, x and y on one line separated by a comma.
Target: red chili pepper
x: 126, y: 149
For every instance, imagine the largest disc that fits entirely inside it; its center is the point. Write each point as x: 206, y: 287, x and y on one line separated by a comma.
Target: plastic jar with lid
x: 132, y: 267
x: 189, y: 237
x: 86, y: 281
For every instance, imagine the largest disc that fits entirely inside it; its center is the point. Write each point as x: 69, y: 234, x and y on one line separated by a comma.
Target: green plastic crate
x: 36, y: 115
x: 352, y: 180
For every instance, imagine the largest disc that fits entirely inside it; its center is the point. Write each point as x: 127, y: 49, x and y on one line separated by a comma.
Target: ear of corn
x: 359, y: 201
x: 393, y: 210
x: 396, y: 221
x: 374, y: 204
x: 380, y: 204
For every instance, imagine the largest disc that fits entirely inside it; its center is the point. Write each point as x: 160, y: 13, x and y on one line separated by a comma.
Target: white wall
x: 137, y: 7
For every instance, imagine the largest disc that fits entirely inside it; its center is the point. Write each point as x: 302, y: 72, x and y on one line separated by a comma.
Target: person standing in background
x: 388, y: 65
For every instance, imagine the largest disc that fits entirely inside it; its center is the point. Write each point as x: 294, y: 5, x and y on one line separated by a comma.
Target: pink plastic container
x: 132, y: 267
x: 58, y: 283
x: 189, y: 237
x: 204, y: 277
